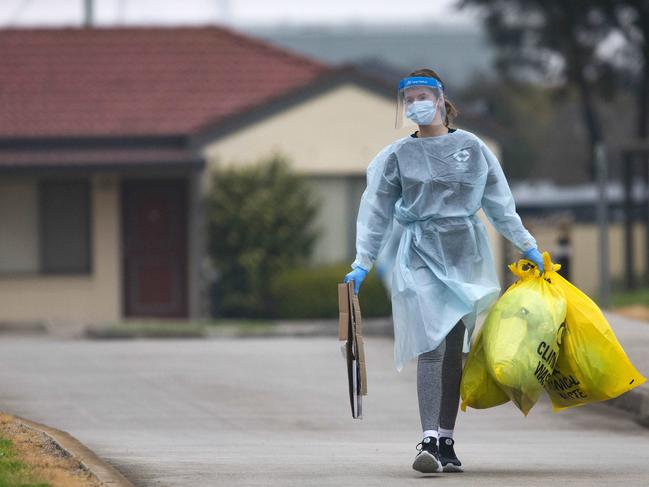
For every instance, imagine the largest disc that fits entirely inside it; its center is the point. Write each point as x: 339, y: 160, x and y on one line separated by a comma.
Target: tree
x: 259, y: 222
x: 554, y: 42
x: 630, y: 19
x: 630, y: 22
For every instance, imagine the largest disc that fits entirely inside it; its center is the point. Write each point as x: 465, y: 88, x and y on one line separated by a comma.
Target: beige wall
x: 336, y: 133
x: 584, y: 248
x: 331, y: 222
x: 75, y: 299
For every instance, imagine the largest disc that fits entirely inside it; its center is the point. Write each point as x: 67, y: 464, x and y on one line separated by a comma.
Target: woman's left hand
x: 535, y: 256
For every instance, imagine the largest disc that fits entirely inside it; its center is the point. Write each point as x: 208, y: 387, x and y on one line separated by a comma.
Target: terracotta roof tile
x: 137, y: 81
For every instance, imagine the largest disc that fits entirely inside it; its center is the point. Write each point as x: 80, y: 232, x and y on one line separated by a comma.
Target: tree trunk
x: 643, y: 88
x: 641, y: 123
x: 567, y: 21
x: 591, y: 120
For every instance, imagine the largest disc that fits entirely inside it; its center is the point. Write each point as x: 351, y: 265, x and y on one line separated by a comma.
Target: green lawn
x: 621, y: 298
x: 13, y: 472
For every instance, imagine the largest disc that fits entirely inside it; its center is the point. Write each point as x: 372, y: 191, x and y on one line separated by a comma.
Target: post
x: 645, y: 214
x: 602, y: 220
x: 563, y: 248
x: 87, y: 13
x: 629, y: 277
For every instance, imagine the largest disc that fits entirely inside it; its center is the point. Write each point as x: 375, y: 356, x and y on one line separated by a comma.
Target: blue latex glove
x: 535, y: 256
x: 357, y: 275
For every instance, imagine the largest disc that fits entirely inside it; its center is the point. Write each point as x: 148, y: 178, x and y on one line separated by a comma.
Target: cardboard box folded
x: 351, y: 331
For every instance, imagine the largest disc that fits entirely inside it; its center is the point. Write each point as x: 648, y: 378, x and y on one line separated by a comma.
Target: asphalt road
x: 274, y: 412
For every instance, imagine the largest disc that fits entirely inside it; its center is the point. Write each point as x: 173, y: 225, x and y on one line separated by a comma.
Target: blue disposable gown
x: 443, y: 268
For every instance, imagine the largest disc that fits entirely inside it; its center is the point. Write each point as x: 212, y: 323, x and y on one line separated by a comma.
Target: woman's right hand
x: 357, y: 275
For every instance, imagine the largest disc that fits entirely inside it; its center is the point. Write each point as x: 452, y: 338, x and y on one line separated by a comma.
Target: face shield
x: 421, y: 100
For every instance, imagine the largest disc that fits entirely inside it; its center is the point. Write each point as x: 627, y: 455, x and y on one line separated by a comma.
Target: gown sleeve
x: 377, y: 207
x: 498, y: 204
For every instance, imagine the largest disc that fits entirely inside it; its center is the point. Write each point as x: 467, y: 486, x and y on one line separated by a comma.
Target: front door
x: 154, y: 229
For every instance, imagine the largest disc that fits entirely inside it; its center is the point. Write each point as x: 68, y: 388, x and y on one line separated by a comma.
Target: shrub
x: 258, y: 224
x: 311, y: 292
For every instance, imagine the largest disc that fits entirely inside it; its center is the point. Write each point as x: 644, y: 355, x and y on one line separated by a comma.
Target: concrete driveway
x: 274, y: 412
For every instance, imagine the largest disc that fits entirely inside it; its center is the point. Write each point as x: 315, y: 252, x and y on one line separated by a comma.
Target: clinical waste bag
x: 520, y: 341
x: 478, y: 389
x: 592, y: 366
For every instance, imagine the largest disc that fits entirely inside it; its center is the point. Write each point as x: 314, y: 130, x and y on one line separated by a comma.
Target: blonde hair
x: 451, y: 111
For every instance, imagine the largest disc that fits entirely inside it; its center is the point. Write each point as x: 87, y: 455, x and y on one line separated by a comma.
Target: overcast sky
x: 233, y: 12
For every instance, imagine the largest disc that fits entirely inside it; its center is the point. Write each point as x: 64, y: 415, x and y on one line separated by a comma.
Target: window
x: 45, y: 227
x: 65, y: 222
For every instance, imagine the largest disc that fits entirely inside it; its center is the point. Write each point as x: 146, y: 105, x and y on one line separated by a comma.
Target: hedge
x: 311, y: 293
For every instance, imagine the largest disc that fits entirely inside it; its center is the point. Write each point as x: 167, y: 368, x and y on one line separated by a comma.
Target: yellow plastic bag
x: 592, y: 365
x: 522, y: 333
x: 477, y: 389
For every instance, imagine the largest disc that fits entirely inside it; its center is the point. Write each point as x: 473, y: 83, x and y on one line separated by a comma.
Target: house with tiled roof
x: 107, y: 137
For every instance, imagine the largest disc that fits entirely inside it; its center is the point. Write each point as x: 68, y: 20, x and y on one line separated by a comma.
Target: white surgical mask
x: 422, y: 112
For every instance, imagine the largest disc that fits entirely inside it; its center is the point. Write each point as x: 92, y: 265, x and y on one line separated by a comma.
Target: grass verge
x: 153, y: 329
x: 31, y: 459
x: 638, y: 296
x: 180, y: 329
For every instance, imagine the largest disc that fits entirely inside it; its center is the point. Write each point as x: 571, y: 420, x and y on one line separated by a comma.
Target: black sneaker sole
x: 427, y: 463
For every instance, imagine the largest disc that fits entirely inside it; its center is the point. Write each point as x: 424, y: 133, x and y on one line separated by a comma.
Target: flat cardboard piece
x: 343, y: 312
x: 350, y: 330
x: 358, y: 335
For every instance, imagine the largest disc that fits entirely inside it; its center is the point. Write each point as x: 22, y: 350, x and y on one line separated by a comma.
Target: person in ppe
x: 432, y: 183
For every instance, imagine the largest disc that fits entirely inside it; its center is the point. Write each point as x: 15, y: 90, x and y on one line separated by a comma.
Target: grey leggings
x: 438, y: 381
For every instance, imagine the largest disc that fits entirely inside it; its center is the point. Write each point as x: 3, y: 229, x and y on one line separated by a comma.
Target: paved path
x: 634, y: 337
x: 274, y: 412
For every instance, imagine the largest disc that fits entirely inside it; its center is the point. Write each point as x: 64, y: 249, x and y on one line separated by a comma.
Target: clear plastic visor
x: 420, y: 101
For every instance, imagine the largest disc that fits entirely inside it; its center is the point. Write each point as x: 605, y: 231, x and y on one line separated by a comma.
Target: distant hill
x: 458, y: 53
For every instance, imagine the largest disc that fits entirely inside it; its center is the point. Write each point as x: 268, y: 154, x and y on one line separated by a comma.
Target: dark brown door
x: 154, y: 233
